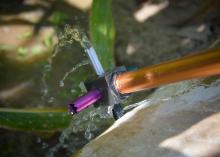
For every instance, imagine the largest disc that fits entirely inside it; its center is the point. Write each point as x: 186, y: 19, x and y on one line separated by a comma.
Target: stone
x: 178, y: 120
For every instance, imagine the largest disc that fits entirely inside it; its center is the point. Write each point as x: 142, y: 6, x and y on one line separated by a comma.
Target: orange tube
x: 190, y: 67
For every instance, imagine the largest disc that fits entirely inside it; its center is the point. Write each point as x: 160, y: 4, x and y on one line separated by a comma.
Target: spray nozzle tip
x: 85, y: 101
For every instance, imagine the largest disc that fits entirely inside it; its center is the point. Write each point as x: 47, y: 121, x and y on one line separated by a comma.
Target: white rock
x: 180, y: 120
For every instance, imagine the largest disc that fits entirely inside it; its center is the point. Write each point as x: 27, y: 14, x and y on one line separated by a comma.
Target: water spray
x: 113, y: 87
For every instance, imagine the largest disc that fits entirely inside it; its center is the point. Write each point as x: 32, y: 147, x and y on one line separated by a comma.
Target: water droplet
x: 61, y: 83
x: 88, y: 134
x: 51, y: 100
x: 44, y: 145
x: 38, y: 140
x: 82, y: 87
x: 73, y: 91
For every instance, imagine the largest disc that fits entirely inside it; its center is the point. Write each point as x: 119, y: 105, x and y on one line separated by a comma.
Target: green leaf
x: 58, y: 17
x: 48, y: 41
x: 4, y: 47
x: 102, y: 32
x: 37, y: 50
x: 35, y: 120
x: 50, y: 120
x: 22, y: 51
x: 26, y: 35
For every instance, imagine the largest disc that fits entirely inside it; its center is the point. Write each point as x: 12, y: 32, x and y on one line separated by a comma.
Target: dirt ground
x: 162, y: 36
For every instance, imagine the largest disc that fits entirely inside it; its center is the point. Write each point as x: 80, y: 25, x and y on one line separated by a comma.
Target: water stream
x: 84, y: 62
x: 91, y: 122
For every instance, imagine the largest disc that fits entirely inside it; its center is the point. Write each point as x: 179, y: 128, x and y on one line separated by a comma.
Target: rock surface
x: 179, y: 120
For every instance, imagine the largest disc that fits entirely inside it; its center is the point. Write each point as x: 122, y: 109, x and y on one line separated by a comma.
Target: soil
x: 160, y: 38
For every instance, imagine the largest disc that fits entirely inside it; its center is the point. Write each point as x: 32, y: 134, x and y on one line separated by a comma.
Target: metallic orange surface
x: 190, y: 67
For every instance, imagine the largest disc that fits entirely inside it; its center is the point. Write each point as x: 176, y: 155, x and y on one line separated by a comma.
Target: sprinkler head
x: 101, y: 90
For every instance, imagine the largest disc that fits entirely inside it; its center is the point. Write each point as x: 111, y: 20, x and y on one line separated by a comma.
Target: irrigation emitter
x: 113, y: 87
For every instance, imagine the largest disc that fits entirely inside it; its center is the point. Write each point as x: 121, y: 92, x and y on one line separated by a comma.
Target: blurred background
x: 38, y: 77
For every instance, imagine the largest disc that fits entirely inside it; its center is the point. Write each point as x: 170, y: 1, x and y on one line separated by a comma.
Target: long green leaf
x: 102, y: 31
x: 36, y: 120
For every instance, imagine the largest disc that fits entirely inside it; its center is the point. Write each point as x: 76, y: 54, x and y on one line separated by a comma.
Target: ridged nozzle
x: 85, y: 101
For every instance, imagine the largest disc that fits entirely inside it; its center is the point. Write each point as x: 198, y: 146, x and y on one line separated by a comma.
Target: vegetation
x: 52, y: 119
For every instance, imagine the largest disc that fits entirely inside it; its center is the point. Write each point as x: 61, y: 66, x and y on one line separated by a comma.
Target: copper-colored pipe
x: 190, y: 67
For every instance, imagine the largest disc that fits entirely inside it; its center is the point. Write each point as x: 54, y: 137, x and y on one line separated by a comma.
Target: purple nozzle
x: 85, y: 101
